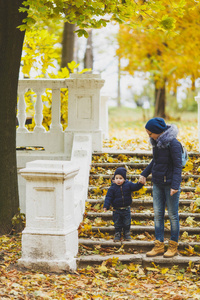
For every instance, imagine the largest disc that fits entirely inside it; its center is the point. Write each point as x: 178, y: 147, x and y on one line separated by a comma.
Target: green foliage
x: 167, y: 23
x: 96, y: 13
x: 82, y: 32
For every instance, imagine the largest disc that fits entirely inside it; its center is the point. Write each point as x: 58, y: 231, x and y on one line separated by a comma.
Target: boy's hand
x: 142, y: 179
x: 105, y: 209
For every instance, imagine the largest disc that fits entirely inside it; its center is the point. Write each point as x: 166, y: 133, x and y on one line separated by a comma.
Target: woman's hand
x: 142, y: 179
x: 172, y: 192
x: 105, y: 209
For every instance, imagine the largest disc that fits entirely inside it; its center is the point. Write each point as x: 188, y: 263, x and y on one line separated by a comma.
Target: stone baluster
x: 55, y: 111
x: 21, y: 112
x: 39, y: 111
x: 197, y: 98
x: 50, y: 239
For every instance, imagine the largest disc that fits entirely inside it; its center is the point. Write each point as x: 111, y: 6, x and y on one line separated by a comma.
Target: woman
x: 166, y: 169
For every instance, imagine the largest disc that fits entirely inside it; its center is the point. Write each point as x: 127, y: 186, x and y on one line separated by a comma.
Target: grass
x: 126, y: 128
x: 125, y: 117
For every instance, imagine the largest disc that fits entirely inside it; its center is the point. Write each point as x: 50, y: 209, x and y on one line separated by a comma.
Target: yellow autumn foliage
x: 40, y: 52
x: 167, y: 57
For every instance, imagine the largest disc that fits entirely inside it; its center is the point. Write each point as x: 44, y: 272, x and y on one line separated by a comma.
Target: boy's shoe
x: 117, y: 237
x: 127, y: 235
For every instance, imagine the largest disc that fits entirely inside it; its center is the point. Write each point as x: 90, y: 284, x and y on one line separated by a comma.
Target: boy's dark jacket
x: 120, y: 195
x: 166, y: 166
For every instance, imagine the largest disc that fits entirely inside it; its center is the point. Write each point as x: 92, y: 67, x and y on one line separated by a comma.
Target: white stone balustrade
x: 50, y: 239
x: 84, y: 110
x: 84, y: 117
x: 52, y: 140
x: 56, y: 190
x: 197, y: 98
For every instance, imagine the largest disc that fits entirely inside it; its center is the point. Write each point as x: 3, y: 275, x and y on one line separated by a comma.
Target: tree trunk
x: 119, y: 83
x: 160, y: 101
x: 11, y: 42
x: 67, y: 44
x: 88, y: 57
x: 193, y: 88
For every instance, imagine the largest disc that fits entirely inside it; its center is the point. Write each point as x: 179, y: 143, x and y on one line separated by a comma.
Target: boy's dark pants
x: 122, y: 219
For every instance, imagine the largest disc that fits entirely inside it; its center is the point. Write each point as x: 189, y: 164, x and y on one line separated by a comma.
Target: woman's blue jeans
x: 161, y: 198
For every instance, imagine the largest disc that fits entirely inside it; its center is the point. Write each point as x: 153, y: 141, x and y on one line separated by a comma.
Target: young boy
x: 119, y: 197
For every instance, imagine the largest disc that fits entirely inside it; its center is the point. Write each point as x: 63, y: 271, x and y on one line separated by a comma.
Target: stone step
x: 141, y: 153
x: 141, y: 259
x: 140, y: 216
x: 116, y: 165
x: 138, y: 245
x: 135, y: 165
x: 149, y: 188
x: 115, y: 153
x: 147, y: 203
x: 135, y: 229
x: 135, y: 177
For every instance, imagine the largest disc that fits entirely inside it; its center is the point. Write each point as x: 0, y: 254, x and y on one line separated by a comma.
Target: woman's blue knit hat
x: 121, y: 171
x: 156, y: 125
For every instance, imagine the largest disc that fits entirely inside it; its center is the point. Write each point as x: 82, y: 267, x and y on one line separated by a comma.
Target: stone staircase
x: 97, y: 231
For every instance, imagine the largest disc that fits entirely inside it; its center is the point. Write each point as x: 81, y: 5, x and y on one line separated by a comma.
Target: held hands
x: 172, y: 192
x: 142, y: 179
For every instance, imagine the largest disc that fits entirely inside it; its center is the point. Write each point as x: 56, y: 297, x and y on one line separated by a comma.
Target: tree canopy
x: 167, y: 56
x: 97, y: 13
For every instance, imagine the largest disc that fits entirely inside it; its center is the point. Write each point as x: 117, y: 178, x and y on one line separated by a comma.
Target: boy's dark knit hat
x: 156, y: 125
x: 121, y: 171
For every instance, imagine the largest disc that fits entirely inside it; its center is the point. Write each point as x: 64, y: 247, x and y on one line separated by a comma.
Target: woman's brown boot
x: 158, y: 249
x: 172, y: 250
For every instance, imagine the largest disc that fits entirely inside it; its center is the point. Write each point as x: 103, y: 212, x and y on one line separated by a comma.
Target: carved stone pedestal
x: 50, y: 239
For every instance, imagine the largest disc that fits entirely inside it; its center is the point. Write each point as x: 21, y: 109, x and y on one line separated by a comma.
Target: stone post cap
x: 49, y: 168
x: 85, y: 76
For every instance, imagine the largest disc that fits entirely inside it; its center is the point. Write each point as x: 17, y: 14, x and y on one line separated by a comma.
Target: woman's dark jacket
x: 166, y: 166
x: 120, y: 195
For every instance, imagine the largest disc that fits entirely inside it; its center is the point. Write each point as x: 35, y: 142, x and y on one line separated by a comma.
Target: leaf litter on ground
x: 110, y: 280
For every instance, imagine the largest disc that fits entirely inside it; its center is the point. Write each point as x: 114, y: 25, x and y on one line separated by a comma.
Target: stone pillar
x: 84, y: 106
x: 197, y: 98
x: 50, y: 239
